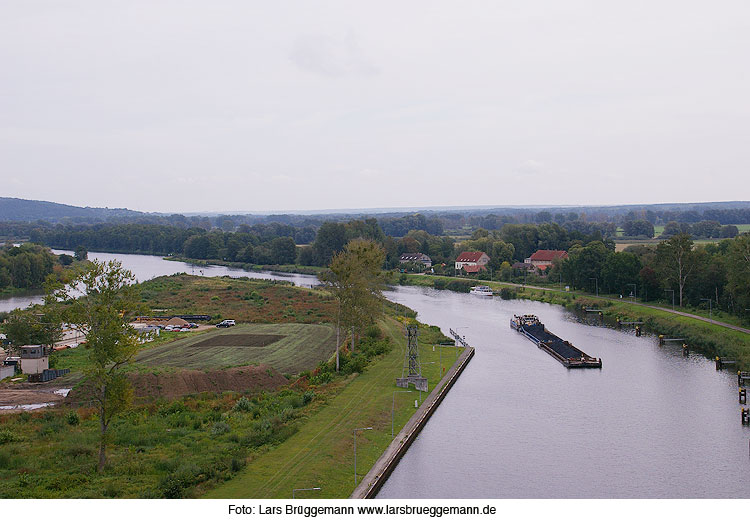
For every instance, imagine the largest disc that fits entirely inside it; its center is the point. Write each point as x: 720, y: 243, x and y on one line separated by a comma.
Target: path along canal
x: 650, y: 424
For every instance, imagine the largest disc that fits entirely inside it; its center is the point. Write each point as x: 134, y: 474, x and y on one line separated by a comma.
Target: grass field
x: 743, y: 228
x: 246, y: 300
x: 296, y: 347
x: 321, y: 453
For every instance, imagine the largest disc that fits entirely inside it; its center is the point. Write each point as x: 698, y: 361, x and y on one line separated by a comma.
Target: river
x: 146, y: 267
x: 517, y: 424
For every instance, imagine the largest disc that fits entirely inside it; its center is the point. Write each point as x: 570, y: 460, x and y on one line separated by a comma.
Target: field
x: 288, y: 348
x: 743, y: 228
x: 246, y: 300
x: 321, y: 453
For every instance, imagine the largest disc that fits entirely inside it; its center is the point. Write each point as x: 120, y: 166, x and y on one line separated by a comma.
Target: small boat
x: 481, y: 290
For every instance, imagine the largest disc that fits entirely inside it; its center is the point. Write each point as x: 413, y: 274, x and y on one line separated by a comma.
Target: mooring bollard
x: 661, y: 340
x: 637, y: 330
x: 743, y: 396
x: 685, y: 350
x: 745, y: 412
x: 740, y: 380
x: 718, y: 362
x: 619, y: 324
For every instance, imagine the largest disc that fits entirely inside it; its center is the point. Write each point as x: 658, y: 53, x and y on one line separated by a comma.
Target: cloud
x: 531, y: 167
x: 331, y: 57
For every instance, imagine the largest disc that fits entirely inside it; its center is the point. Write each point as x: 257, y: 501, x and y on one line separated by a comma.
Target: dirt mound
x: 176, y: 384
x: 239, y: 379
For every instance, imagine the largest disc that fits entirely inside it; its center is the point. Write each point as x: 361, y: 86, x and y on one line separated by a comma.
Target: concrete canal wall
x: 378, y: 474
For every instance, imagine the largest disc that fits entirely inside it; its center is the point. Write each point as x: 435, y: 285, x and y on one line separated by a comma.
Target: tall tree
x: 676, y: 260
x: 99, y: 303
x: 738, y: 271
x: 356, y: 279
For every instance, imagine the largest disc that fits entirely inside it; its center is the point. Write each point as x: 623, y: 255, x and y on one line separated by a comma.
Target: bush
x: 220, y: 429
x: 73, y: 419
x: 438, y: 284
x: 461, y: 285
x: 243, y: 404
x: 6, y: 436
x: 507, y: 294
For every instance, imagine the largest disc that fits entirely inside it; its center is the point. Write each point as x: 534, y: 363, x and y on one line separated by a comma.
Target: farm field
x: 287, y: 347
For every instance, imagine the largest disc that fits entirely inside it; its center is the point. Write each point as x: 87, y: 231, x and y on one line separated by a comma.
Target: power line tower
x: 412, y: 371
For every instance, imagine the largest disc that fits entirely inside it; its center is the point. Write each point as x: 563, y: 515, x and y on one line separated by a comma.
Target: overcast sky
x: 257, y: 105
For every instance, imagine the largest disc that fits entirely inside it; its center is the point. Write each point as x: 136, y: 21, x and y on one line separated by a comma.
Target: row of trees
x: 693, y: 273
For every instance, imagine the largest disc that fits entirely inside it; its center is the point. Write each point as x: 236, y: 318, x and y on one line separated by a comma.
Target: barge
x: 563, y: 351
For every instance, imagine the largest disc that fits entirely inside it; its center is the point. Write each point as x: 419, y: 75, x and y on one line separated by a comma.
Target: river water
x: 517, y: 424
x: 146, y: 267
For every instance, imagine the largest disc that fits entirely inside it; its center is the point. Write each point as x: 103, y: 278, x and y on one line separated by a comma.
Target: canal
x: 517, y: 424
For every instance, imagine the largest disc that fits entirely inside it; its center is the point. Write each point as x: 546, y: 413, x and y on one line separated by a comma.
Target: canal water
x: 517, y: 424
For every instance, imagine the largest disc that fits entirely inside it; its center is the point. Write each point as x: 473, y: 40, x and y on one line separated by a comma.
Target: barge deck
x: 563, y: 351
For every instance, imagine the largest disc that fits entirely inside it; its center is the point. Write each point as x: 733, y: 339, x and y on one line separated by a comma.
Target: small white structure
x: 34, y: 359
x: 7, y: 371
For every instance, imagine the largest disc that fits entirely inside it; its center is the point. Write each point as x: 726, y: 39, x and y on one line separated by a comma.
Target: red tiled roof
x: 548, y: 255
x: 469, y: 256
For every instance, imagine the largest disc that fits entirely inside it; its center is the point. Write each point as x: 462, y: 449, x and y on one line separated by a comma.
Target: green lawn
x: 321, y: 453
x: 743, y: 228
x: 301, y: 347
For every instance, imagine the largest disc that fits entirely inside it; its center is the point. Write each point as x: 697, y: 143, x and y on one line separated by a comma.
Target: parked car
x: 226, y: 323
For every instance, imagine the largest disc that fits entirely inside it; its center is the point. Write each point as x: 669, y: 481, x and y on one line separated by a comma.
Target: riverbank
x: 701, y: 334
x: 284, y: 268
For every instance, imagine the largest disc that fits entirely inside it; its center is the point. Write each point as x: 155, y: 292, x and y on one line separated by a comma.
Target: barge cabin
x: 563, y: 351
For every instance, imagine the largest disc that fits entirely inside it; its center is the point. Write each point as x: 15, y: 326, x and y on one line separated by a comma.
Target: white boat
x: 481, y: 290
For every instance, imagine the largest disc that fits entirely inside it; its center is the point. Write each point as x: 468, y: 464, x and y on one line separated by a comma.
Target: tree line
x: 712, y: 275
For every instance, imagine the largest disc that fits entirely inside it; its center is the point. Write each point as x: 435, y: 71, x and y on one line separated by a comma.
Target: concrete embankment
x: 378, y: 474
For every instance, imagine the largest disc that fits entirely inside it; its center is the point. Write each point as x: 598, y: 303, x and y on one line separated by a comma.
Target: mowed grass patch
x: 321, y: 453
x: 240, y: 298
x: 288, y: 348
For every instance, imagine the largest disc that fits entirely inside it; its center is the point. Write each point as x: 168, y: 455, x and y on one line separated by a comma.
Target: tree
x: 80, y: 253
x: 24, y: 327
x: 738, y: 271
x: 356, y: 279
x: 104, y: 302
x: 676, y: 261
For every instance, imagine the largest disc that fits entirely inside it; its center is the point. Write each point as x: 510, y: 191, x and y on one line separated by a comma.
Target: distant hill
x: 12, y: 209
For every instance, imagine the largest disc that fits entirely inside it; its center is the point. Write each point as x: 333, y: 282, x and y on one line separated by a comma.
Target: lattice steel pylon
x: 412, y: 371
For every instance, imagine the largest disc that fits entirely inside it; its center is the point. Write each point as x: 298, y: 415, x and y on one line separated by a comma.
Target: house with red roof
x: 543, y: 259
x: 472, y: 262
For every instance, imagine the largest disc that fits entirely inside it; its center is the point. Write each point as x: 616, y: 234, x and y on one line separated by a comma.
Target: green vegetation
x: 300, y: 347
x: 242, y: 299
x: 157, y: 450
x: 320, y: 453
x: 27, y: 267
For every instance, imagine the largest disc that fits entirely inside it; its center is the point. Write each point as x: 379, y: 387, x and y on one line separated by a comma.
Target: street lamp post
x: 596, y: 281
x: 311, y: 488
x: 393, y: 405
x: 672, y: 297
x: 355, y: 451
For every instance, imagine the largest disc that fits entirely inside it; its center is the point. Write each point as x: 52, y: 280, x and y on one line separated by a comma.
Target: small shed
x: 34, y: 359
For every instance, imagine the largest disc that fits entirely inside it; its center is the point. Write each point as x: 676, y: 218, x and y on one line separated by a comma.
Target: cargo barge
x: 563, y: 351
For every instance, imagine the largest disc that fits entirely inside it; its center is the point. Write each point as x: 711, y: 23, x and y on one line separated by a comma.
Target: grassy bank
x: 321, y: 453
x: 710, y: 339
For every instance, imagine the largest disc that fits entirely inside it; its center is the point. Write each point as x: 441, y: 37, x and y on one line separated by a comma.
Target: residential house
x: 415, y: 258
x: 472, y: 262
x: 543, y: 259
